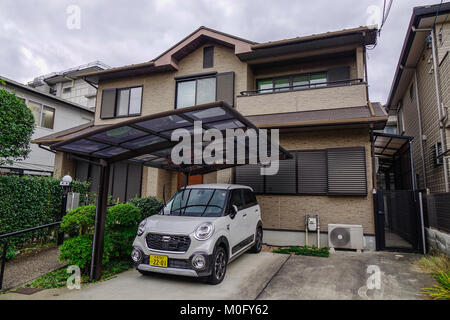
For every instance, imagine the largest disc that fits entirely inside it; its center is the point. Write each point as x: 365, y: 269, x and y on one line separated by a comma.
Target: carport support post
x: 100, y: 218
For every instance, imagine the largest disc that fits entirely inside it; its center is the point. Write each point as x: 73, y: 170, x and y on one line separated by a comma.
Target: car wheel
x: 258, y: 241
x: 145, y: 273
x: 219, y: 267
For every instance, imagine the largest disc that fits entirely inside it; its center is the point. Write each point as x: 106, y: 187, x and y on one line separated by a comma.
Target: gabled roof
x: 243, y: 48
x: 16, y: 84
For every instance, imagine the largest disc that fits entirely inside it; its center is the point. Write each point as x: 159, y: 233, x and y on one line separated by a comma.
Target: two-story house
x: 51, y: 114
x: 420, y: 94
x: 67, y: 84
x: 313, y: 89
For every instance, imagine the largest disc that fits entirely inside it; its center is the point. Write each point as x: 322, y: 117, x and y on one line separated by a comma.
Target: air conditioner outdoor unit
x: 345, y: 236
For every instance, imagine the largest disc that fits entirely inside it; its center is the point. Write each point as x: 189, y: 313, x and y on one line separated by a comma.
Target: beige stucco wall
x: 63, y: 165
x: 303, y: 100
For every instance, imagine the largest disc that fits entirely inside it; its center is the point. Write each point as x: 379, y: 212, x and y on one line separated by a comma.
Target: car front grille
x: 167, y: 242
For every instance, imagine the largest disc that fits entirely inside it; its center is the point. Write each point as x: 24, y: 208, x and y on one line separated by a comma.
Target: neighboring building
x: 413, y: 97
x: 312, y: 88
x: 68, y: 85
x: 52, y: 114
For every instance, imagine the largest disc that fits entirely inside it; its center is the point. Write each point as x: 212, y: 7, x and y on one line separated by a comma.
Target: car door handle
x: 244, y: 215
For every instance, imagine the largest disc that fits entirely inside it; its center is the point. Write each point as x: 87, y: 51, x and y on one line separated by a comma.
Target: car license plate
x: 158, y: 261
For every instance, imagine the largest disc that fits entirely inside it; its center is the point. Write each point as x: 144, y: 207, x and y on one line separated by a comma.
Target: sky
x: 38, y: 37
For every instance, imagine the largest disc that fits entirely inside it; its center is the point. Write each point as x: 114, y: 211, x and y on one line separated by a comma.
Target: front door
x: 197, y: 179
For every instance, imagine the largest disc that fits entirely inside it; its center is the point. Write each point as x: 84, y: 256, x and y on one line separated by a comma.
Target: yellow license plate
x: 158, y: 261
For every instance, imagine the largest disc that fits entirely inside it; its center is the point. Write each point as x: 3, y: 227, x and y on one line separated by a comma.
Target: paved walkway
x: 28, y: 267
x: 343, y: 275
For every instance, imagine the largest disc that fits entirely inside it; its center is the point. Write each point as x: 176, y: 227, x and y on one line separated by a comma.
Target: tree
x: 16, y: 127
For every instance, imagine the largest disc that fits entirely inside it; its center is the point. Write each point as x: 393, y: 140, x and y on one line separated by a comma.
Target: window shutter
x: 225, y: 87
x: 284, y: 180
x: 108, y: 103
x: 81, y: 171
x: 312, y: 172
x: 134, y: 181
x: 208, y: 57
x: 250, y: 175
x: 347, y: 171
x: 338, y: 74
x: 120, y: 178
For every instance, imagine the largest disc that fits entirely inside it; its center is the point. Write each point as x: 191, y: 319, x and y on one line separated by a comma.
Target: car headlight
x: 204, y: 231
x: 141, y: 227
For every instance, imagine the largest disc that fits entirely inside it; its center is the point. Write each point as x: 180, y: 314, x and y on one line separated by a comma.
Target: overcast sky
x: 35, y: 38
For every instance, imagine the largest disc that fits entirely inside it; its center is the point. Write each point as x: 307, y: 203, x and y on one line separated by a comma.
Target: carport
x: 146, y: 140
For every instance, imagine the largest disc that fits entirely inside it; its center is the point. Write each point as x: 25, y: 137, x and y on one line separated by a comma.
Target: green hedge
x: 27, y: 202
x: 149, y: 206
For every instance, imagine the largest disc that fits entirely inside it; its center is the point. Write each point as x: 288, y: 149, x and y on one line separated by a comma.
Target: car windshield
x: 197, y: 203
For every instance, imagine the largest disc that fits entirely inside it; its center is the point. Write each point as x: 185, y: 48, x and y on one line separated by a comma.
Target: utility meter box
x: 73, y: 201
x: 312, y: 224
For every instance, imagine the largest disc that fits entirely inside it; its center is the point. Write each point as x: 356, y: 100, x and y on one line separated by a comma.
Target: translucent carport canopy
x: 147, y: 139
x: 386, y: 146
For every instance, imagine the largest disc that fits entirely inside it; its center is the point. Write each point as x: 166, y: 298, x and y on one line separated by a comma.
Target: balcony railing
x: 300, y: 87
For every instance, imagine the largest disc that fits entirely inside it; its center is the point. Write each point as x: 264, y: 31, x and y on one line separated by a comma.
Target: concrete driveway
x: 268, y: 276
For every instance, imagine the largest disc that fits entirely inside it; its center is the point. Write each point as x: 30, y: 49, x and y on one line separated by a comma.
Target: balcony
x: 317, y: 96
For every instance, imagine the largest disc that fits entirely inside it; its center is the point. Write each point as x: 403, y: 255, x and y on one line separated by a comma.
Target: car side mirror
x: 234, y: 211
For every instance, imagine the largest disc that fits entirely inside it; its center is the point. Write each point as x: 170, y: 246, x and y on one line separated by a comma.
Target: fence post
x: 422, y: 225
x: 2, y: 272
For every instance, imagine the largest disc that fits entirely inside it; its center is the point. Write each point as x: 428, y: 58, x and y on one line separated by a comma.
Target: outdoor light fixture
x: 204, y: 231
x: 65, y: 181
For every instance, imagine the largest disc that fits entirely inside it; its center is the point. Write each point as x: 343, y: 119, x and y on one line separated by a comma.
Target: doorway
x: 197, y: 179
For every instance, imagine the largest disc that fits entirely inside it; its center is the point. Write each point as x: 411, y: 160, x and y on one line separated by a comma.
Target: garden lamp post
x: 65, y: 183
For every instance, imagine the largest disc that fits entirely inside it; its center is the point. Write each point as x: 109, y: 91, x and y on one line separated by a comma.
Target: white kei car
x: 199, y: 231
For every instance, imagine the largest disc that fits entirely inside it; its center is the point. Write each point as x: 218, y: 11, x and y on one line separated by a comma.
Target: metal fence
x: 437, y: 209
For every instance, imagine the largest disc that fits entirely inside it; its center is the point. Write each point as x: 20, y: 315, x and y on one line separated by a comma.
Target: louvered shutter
x: 225, y: 87
x: 347, y: 171
x: 284, y: 180
x: 108, y: 103
x: 312, y: 172
x: 250, y: 175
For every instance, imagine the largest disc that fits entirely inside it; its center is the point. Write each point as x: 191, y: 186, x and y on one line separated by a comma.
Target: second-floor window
x: 44, y: 116
x: 293, y: 82
x: 195, y: 91
x: 123, y: 102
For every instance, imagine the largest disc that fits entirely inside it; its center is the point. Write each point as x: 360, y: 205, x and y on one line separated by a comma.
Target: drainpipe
x: 422, y: 153
x: 438, y: 99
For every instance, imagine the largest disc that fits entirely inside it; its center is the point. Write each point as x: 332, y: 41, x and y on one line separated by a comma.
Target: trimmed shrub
x: 79, y: 221
x: 78, y: 251
x: 31, y: 201
x: 123, y: 215
x: 149, y: 206
x: 122, y: 221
